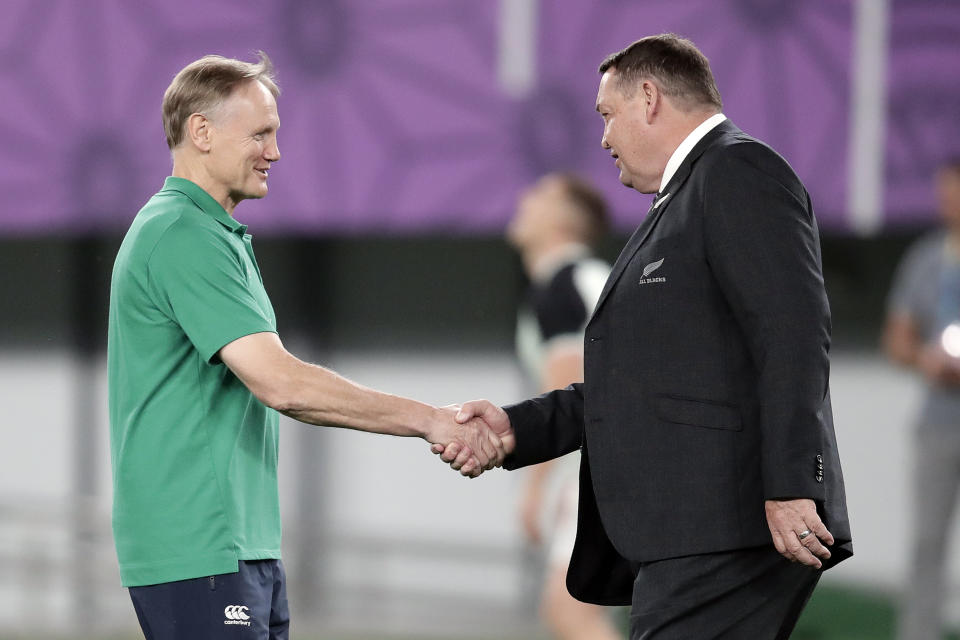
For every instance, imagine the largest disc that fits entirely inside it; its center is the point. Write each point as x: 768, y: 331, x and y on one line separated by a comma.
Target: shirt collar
x: 205, y: 201
x: 687, y: 145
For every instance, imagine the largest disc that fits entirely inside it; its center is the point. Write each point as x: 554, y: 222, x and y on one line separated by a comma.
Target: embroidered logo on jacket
x: 653, y: 266
x: 650, y: 268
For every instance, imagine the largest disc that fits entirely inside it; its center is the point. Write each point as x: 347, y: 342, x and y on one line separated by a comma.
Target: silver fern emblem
x: 653, y: 266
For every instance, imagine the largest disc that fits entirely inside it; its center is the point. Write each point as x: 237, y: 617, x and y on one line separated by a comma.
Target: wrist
x: 430, y: 424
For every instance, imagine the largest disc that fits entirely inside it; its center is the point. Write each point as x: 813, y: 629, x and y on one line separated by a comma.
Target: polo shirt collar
x: 205, y: 201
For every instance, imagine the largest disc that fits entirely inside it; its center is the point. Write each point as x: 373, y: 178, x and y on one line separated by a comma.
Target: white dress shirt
x: 687, y: 146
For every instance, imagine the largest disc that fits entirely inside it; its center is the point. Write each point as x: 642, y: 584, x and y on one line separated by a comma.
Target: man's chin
x: 256, y: 194
x: 240, y: 196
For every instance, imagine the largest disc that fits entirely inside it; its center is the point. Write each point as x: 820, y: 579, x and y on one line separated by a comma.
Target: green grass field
x: 849, y: 614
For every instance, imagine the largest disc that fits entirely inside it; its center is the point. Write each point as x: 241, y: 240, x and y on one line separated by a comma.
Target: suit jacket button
x: 819, y: 458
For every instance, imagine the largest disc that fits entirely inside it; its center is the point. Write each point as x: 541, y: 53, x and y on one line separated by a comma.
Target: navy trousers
x: 750, y: 594
x: 250, y: 604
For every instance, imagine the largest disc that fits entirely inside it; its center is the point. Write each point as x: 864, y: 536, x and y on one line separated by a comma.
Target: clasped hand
x: 477, y: 437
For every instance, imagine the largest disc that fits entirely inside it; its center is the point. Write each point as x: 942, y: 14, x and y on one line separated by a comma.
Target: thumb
x: 472, y: 409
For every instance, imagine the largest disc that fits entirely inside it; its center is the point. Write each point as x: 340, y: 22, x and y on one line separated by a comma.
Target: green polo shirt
x: 194, y: 453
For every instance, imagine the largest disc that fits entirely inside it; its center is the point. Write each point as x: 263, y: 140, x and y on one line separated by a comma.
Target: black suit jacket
x: 706, y: 385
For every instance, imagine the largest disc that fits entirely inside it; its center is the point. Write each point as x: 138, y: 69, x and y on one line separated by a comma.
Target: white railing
x: 59, y: 575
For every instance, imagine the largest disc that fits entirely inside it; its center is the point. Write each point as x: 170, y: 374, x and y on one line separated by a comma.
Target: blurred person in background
x: 711, y: 490
x: 922, y: 328
x: 557, y: 224
x: 197, y: 375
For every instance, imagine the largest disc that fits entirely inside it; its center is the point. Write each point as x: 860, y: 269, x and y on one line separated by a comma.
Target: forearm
x: 793, y: 392
x: 316, y: 395
x: 546, y: 427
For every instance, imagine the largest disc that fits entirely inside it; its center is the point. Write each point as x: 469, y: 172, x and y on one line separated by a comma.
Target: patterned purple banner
x: 394, y: 119
x: 923, y: 105
x: 782, y: 68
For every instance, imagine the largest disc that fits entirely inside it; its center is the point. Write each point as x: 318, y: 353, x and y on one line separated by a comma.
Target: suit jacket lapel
x: 633, y: 245
x: 653, y: 216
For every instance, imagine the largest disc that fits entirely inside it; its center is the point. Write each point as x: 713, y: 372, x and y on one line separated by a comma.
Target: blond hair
x: 202, y: 85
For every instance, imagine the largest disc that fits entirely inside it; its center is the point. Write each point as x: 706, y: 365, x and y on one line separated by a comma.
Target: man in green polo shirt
x: 197, y: 374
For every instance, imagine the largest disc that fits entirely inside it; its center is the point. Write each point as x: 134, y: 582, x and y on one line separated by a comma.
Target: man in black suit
x: 704, y: 417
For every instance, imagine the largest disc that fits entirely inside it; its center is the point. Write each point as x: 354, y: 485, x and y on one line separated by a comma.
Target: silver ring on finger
x: 803, y: 534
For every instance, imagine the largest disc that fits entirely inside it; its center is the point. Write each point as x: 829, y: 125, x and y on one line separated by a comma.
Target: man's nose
x: 272, y: 152
x: 603, y: 141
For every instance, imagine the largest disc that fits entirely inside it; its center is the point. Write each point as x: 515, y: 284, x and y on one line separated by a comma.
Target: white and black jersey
x: 557, y: 306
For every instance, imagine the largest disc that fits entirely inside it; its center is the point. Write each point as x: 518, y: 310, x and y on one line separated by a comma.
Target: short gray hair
x: 203, y: 84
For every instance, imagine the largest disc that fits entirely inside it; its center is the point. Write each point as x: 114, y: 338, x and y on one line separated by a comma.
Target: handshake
x: 471, y: 438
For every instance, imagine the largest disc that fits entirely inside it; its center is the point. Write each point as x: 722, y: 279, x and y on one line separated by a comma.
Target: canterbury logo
x: 653, y: 266
x: 236, y: 614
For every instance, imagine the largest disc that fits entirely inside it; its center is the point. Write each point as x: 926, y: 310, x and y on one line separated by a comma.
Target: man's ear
x: 199, y: 131
x: 652, y: 100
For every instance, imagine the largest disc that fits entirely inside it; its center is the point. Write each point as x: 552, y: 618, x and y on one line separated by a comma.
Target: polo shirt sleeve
x: 564, y: 306
x: 200, y: 283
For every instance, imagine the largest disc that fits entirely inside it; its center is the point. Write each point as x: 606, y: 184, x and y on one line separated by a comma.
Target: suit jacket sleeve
x: 546, y: 427
x: 763, y: 249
